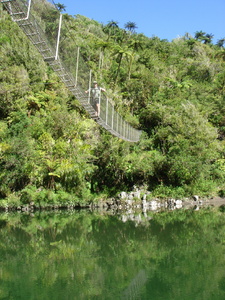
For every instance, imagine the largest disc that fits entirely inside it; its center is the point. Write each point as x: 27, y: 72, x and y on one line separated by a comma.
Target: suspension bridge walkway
x: 109, y: 118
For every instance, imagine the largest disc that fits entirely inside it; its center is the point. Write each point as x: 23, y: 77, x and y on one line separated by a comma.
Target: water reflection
x: 86, y: 255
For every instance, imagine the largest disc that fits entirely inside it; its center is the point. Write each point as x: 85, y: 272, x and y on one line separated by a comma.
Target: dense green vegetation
x: 51, y: 152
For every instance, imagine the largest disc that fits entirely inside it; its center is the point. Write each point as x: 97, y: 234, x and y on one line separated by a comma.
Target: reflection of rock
x: 178, y: 202
x: 178, y: 206
x: 129, y: 202
x: 154, y: 205
x: 124, y: 218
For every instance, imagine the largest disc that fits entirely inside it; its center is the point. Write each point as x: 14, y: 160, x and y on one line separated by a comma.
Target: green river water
x: 66, y: 255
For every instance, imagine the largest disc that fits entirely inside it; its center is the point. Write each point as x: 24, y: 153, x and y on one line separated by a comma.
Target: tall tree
x: 135, y: 44
x: 120, y: 52
x: 111, y: 28
x: 200, y: 35
x: 208, y: 38
x: 220, y: 42
x: 60, y: 7
x: 130, y: 26
x: 204, y: 37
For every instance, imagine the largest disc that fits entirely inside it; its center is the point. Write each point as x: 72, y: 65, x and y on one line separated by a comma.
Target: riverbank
x: 131, y: 201
x: 126, y: 203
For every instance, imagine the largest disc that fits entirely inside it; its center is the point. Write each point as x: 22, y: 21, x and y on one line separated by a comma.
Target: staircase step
x: 52, y: 58
x: 25, y: 24
x: 18, y: 13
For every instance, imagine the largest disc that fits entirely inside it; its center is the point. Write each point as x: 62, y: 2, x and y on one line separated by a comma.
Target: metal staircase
x: 111, y: 120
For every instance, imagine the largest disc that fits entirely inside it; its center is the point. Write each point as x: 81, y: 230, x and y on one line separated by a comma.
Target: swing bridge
x: 78, y: 80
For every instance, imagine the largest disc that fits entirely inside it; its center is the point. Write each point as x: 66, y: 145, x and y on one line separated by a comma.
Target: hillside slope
x: 51, y: 152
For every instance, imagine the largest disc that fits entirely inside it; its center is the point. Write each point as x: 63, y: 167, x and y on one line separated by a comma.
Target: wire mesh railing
x: 72, y: 69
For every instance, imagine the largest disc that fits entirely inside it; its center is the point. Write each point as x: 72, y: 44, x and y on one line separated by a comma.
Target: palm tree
x: 220, y: 42
x: 199, y: 35
x: 208, y: 38
x: 130, y: 26
x: 60, y: 7
x: 135, y: 44
x: 102, y: 45
x: 111, y: 28
x: 120, y: 52
x: 112, y: 24
x: 204, y: 37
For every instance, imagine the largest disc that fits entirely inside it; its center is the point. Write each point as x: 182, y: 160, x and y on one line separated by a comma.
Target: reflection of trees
x: 57, y: 256
x: 194, y: 256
